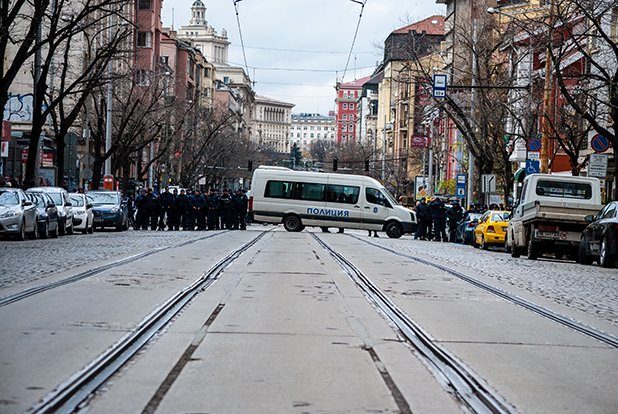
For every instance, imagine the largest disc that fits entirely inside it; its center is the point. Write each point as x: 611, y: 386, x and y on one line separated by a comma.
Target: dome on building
x: 198, y: 3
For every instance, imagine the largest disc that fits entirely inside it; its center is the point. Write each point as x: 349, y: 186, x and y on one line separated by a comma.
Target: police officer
x: 454, y: 215
x: 212, y: 210
x: 149, y: 205
x: 226, y: 209
x: 166, y: 201
x: 241, y: 203
x: 438, y: 215
x: 181, y: 205
x: 422, y: 218
x: 198, y: 203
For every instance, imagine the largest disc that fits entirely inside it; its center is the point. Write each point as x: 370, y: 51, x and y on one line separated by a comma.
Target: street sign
x: 534, y: 144
x: 533, y: 166
x: 598, y: 165
x: 419, y: 141
x: 439, y: 85
x: 533, y: 155
x: 599, y: 143
x: 489, y: 183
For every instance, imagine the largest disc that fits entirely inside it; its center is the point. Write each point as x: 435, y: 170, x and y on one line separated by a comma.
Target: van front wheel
x: 394, y: 230
x: 293, y: 223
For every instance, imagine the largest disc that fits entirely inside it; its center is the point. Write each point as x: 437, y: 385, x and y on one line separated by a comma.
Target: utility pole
x: 110, y: 95
x: 545, y: 130
x: 472, y: 115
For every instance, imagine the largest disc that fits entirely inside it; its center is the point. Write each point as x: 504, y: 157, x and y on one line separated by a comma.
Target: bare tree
x: 582, y: 30
x: 62, y: 22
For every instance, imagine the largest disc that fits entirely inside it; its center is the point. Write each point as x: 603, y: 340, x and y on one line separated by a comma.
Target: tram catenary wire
x: 472, y: 390
x: 16, y: 297
x: 563, y: 320
x: 67, y: 397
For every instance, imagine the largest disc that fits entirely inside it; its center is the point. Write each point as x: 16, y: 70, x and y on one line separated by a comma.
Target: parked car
x: 464, y: 233
x: 83, y: 217
x: 47, y: 218
x: 109, y: 209
x: 599, y: 239
x: 63, y: 203
x: 17, y: 213
x: 491, y: 229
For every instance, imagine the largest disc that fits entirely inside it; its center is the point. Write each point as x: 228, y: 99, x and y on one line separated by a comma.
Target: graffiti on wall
x: 19, y: 108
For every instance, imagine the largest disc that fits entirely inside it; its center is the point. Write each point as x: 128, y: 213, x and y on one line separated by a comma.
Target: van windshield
x: 390, y: 197
x: 564, y: 189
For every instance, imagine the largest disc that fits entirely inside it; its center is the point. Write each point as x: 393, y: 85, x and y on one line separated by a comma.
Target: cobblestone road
x: 32, y: 260
x: 589, y: 289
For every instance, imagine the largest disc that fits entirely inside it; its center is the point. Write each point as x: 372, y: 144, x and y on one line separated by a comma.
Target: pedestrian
x: 438, y: 215
x: 375, y: 233
x: 454, y: 215
x: 2, y: 181
x: 241, y: 204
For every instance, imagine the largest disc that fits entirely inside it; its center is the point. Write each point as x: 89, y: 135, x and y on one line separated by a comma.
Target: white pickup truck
x: 550, y: 215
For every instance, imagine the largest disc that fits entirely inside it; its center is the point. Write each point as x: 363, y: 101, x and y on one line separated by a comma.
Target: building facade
x: 346, y: 105
x: 307, y: 129
x: 272, y: 124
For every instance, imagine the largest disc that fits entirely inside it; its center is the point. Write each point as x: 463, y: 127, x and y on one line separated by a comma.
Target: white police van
x: 298, y: 199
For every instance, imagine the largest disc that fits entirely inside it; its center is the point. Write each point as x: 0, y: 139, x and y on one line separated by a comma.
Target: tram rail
x: 471, y: 389
x: 68, y: 396
x: 26, y: 293
x: 580, y: 327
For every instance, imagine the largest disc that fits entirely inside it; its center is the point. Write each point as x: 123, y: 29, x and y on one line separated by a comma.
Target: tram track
x: 580, y: 327
x: 26, y: 293
x: 68, y: 396
x: 471, y: 389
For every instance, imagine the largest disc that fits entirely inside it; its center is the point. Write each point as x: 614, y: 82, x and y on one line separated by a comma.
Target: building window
x: 144, y: 5
x: 345, y: 106
x: 144, y: 39
x: 344, y: 128
x: 142, y: 77
x: 345, y: 117
x: 352, y: 106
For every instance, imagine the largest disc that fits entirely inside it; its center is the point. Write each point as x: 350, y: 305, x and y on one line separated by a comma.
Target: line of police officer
x: 191, y: 210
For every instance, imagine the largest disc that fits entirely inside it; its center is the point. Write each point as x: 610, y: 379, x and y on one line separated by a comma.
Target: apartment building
x: 307, y: 129
x: 272, y: 124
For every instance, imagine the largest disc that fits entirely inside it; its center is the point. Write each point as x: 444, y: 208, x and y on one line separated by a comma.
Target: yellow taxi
x: 491, y: 229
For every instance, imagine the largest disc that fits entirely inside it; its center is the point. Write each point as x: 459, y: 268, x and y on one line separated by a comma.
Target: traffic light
x: 335, y: 162
x: 367, y: 165
x: 250, y: 165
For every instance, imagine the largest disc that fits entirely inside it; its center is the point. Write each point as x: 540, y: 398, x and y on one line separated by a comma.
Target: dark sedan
x: 109, y: 210
x: 47, y: 219
x: 464, y: 233
x: 600, y: 238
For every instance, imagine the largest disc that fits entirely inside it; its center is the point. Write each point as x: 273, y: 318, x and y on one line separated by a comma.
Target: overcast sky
x: 296, y: 49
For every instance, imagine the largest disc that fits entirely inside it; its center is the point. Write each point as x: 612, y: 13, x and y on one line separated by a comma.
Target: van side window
x: 342, y: 194
x: 375, y: 196
x: 294, y: 190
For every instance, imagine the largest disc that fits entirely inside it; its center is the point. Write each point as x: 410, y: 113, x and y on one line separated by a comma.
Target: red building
x: 347, y: 101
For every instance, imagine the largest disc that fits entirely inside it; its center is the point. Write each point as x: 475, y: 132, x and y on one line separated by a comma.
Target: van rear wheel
x: 394, y: 230
x: 293, y: 223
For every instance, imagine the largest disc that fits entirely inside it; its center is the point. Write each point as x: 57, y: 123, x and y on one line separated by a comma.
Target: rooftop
x: 433, y: 25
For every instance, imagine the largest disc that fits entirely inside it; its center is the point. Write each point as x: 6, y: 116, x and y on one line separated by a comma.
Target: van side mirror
x: 69, y: 204
x: 589, y: 218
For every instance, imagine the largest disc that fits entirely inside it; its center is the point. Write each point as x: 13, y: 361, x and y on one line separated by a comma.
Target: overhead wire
x: 360, y: 17
x: 242, y: 42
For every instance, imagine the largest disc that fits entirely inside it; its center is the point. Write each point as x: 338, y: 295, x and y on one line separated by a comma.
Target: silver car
x: 17, y: 213
x: 64, y: 205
